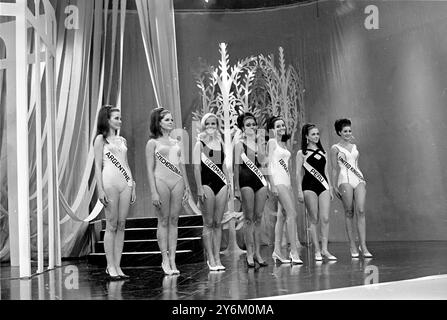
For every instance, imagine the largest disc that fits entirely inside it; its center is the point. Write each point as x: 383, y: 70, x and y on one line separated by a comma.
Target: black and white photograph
x: 246, y: 152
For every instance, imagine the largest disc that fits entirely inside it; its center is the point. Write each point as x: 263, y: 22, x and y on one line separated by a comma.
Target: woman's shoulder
x: 152, y: 142
x: 241, y: 142
x: 334, y: 147
x: 174, y: 141
x: 99, y: 140
x: 272, y: 142
x: 199, y: 142
x: 123, y: 140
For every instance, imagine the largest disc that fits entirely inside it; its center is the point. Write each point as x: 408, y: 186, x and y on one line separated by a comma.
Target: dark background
x: 391, y: 82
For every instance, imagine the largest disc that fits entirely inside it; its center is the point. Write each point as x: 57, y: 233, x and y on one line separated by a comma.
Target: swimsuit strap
x: 317, y: 151
x: 340, y: 146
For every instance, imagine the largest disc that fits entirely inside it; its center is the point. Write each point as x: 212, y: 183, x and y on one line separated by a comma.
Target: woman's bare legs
x: 123, y: 211
x: 286, y: 199
x: 359, y: 198
x: 175, y: 207
x: 163, y: 220
x: 347, y: 195
x: 111, y: 212
x: 259, y: 201
x: 324, y: 203
x: 311, y: 202
x: 221, y: 200
x: 248, y: 199
x: 208, y: 224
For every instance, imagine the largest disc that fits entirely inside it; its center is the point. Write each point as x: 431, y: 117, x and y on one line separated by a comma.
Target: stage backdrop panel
x: 390, y: 81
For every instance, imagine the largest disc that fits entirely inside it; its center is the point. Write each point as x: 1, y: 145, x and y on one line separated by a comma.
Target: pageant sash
x: 114, y: 160
x: 283, y: 164
x: 350, y: 168
x: 168, y: 164
x: 213, y: 167
x: 253, y: 168
x: 317, y: 175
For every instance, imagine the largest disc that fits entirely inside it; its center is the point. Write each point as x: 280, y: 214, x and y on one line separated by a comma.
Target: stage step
x: 147, y: 258
x: 152, y: 222
x: 151, y: 233
x: 194, y: 243
x: 141, y: 246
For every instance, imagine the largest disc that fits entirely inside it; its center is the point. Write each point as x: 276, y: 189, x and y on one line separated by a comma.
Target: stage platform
x: 392, y: 262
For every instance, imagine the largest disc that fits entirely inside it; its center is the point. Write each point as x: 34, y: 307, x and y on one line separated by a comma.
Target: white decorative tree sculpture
x: 286, y: 89
x: 255, y: 85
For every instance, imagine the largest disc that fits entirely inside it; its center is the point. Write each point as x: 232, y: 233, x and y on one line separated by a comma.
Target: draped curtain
x: 157, y: 27
x: 158, y: 33
x: 88, y: 74
x: 4, y: 252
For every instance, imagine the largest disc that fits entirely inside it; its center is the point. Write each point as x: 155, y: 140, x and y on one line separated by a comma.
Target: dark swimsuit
x: 246, y: 177
x: 209, y: 178
x: 317, y: 160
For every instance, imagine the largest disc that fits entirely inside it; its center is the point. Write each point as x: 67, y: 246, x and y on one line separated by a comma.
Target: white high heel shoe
x: 277, y: 257
x: 295, y: 261
x: 216, y: 268
x: 166, y: 270
x: 366, y: 254
x: 328, y: 256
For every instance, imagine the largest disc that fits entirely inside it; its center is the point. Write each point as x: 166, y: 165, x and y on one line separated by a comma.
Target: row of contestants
x: 169, y: 186
x: 314, y: 186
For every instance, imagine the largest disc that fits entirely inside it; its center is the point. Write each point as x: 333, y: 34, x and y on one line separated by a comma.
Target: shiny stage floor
x: 76, y: 280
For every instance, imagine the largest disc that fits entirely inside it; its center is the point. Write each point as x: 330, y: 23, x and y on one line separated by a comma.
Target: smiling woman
x: 350, y: 186
x: 116, y: 188
x: 167, y: 180
x: 211, y: 180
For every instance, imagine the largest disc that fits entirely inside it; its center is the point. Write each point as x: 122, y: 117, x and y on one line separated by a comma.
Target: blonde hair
x: 203, y: 135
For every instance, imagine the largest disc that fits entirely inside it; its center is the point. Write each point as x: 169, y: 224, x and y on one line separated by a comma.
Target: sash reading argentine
x: 118, y: 165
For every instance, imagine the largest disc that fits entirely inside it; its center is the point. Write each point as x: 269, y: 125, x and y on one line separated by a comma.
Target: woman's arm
x: 197, y: 171
x: 98, y: 148
x: 326, y: 172
x: 134, y: 186
x: 299, y: 175
x: 150, y: 165
x: 334, y: 164
x: 271, y: 146
x: 237, y: 164
x: 184, y: 175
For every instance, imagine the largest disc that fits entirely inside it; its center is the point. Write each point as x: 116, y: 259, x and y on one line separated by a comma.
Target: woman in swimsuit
x: 250, y: 185
x: 279, y: 177
x: 314, y: 186
x: 167, y: 180
x: 350, y: 186
x: 116, y: 188
x: 211, y: 180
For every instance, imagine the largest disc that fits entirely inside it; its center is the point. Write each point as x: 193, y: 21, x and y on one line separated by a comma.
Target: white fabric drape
x: 84, y: 76
x: 158, y: 34
x: 4, y: 251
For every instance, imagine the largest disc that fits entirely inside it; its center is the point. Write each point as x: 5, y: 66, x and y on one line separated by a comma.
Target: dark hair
x: 104, y: 114
x: 304, y: 132
x: 271, y: 125
x: 340, y: 124
x: 241, y: 119
x: 156, y: 116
